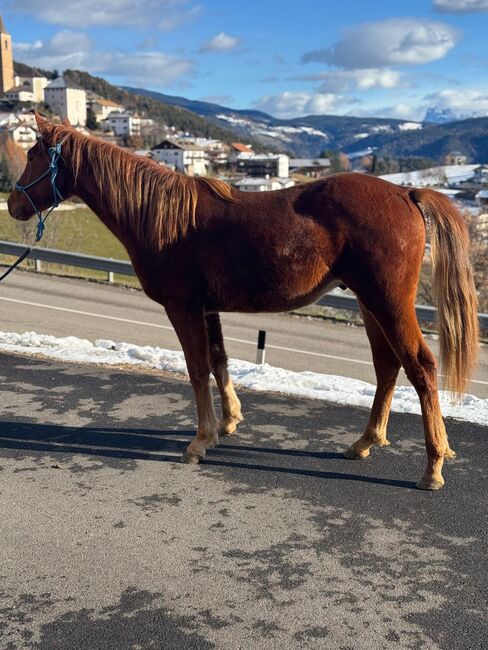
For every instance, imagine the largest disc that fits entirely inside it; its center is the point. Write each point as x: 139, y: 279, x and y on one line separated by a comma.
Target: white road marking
x: 168, y: 327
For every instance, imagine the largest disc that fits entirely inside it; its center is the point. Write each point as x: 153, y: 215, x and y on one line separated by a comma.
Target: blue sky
x: 285, y: 57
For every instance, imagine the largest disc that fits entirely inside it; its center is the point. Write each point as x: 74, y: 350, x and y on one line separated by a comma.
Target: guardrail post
x: 37, y: 265
x: 261, y: 352
x: 111, y: 277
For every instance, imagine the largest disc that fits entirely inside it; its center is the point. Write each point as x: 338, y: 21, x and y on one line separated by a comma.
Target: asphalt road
x: 66, y: 306
x: 108, y: 542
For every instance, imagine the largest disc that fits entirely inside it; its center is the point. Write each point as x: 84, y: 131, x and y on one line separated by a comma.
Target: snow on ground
x: 433, y: 175
x: 332, y: 388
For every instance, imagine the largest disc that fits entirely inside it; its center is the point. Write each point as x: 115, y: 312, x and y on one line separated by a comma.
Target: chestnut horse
x: 199, y: 247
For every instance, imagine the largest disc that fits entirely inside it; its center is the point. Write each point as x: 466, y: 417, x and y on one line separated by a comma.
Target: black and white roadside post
x: 261, y: 352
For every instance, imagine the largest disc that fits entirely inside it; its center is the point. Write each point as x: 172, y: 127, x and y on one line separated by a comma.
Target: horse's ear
x: 66, y: 122
x: 42, y: 124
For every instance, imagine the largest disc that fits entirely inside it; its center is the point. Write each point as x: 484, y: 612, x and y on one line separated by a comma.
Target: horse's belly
x: 276, y: 292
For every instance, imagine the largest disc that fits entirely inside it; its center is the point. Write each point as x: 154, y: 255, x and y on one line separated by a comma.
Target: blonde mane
x: 154, y: 202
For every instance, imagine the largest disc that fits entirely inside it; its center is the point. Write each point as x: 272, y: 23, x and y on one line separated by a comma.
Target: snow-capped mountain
x: 304, y: 136
x: 439, y: 116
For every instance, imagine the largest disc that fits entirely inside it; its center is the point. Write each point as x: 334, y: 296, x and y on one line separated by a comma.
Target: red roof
x: 243, y: 148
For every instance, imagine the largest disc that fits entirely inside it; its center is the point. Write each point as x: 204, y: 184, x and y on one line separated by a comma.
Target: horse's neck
x: 90, y: 193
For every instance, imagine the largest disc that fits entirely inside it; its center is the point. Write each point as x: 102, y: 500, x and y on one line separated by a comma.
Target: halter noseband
x: 54, y: 154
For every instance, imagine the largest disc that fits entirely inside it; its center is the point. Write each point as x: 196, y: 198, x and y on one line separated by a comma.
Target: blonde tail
x: 453, y: 287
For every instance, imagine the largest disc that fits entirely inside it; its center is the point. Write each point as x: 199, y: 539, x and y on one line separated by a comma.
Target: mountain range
x: 439, y: 134
x: 308, y: 136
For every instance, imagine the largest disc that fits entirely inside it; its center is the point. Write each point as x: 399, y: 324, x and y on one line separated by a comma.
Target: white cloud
x: 461, y: 6
x: 294, y: 104
x: 466, y: 102
x: 221, y: 43
x: 70, y: 49
x: 398, y: 41
x: 401, y: 111
x: 87, y: 13
x: 343, y: 80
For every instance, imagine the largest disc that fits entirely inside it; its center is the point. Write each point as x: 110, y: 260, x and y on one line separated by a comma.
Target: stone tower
x: 6, y: 60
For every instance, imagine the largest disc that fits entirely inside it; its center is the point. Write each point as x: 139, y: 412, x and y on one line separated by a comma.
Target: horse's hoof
x: 429, y: 483
x: 191, y: 458
x: 352, y: 454
x: 229, y: 427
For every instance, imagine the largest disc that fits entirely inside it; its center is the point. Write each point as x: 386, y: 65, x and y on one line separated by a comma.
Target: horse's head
x: 36, y: 177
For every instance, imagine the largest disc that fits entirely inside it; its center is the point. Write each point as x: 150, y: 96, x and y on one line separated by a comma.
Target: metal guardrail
x: 425, y: 313
x: 111, y: 266
x: 54, y: 256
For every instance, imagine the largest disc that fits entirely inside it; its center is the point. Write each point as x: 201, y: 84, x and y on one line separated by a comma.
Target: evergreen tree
x: 5, y: 177
x: 91, y: 120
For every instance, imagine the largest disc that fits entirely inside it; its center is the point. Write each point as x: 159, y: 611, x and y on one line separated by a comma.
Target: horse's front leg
x: 191, y: 330
x: 231, y: 406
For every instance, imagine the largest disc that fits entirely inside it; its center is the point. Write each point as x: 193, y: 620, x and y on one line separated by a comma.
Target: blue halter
x: 54, y: 154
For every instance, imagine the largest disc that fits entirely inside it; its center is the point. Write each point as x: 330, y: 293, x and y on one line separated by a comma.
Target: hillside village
x: 238, y: 163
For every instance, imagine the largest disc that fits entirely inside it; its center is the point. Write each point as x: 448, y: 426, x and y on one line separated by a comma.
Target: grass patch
x: 77, y: 231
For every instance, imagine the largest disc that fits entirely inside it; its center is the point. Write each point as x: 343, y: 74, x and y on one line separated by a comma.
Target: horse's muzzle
x: 18, y: 208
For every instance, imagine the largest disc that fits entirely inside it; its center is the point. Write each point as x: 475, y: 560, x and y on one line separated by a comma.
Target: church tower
x: 6, y: 60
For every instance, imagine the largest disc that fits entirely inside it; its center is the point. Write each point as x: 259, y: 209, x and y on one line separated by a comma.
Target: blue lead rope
x: 54, y: 154
x: 52, y: 171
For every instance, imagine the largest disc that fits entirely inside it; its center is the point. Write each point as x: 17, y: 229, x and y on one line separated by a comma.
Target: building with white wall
x: 102, y: 108
x: 255, y: 184
x: 187, y: 158
x: 260, y: 165
x: 125, y: 124
x: 20, y: 94
x: 22, y: 134
x: 66, y: 99
x: 28, y: 88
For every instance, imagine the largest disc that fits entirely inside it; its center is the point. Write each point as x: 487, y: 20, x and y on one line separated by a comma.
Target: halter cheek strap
x: 54, y: 154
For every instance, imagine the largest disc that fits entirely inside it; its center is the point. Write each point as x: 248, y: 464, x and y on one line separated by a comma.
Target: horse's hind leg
x: 399, y: 323
x: 387, y: 366
x: 190, y: 327
x: 231, y: 406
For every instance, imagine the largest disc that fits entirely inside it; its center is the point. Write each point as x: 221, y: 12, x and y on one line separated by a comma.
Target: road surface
x: 67, y: 306
x: 109, y: 543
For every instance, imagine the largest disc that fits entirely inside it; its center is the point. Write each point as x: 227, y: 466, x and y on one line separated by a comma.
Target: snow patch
x: 333, y: 388
x: 410, y: 126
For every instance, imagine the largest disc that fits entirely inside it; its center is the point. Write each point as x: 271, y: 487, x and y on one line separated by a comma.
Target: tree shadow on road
x: 167, y: 446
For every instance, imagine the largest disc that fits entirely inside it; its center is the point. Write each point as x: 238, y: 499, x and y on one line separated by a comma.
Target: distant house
x: 22, y: 134
x: 66, y: 99
x: 20, y: 94
x: 481, y: 175
x: 455, y: 158
x: 124, y: 124
x: 30, y: 83
x: 187, y: 158
x: 311, y: 167
x: 7, y: 119
x: 216, y: 150
x: 102, y: 108
x: 238, y: 149
x: 253, y: 184
x: 481, y: 198
x: 263, y: 165
x: 27, y: 117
